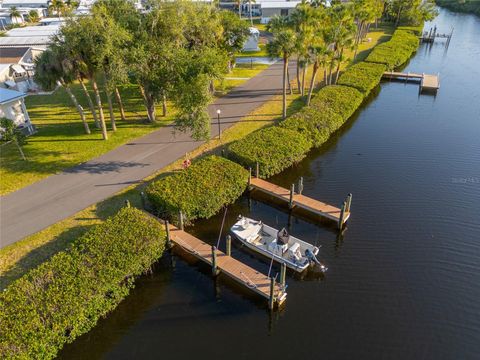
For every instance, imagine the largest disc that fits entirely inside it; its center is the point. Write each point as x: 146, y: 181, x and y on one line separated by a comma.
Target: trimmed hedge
x: 362, y: 76
x: 329, y: 109
x: 199, y: 191
x: 274, y: 148
x: 65, y: 296
x: 397, y: 51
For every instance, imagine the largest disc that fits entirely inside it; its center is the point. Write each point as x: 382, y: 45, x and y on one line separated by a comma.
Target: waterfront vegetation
x: 362, y: 76
x: 396, y: 51
x: 464, y: 6
x: 200, y: 191
x: 329, y: 110
x: 66, y: 295
x: 273, y: 148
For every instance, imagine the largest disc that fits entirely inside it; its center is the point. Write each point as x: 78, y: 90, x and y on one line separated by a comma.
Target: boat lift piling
x: 224, y: 263
x: 300, y: 201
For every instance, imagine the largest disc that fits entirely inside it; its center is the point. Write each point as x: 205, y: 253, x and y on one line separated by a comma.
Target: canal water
x: 403, y: 281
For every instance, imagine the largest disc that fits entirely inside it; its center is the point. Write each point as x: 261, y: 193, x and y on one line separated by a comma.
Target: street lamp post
x: 218, y: 122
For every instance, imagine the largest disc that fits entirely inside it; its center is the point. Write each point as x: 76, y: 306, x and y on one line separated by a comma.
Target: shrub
x: 397, y: 51
x: 66, y: 295
x: 329, y: 109
x: 274, y: 149
x: 362, y: 76
x: 199, y: 191
x: 343, y: 100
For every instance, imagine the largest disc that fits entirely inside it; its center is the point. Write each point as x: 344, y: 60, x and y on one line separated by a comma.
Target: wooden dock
x: 223, y: 263
x: 427, y: 82
x: 340, y: 216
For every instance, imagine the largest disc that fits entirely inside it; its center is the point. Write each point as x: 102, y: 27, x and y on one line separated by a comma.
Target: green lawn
x: 261, y: 53
x: 61, y: 142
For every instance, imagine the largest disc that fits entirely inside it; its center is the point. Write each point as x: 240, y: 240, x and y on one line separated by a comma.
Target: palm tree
x: 282, y: 45
x: 15, y: 14
x: 53, y: 68
x: 57, y: 6
x: 239, y: 4
x: 250, y: 10
x: 33, y: 16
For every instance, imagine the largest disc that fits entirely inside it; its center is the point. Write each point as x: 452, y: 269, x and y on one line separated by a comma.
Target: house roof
x: 12, y: 55
x: 20, y: 3
x: 279, y: 4
x: 22, y: 41
x: 7, y: 95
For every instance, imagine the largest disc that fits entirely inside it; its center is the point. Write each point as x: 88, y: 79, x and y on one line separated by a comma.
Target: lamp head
x: 219, y: 111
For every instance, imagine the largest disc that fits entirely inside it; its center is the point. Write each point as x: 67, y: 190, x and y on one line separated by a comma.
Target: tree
x: 15, y: 14
x: 10, y: 133
x: 282, y: 45
x: 33, y: 16
x: 412, y: 12
x: 53, y: 68
x: 302, y: 19
x: 239, y: 4
x: 114, y: 52
x: 250, y: 2
x: 57, y: 7
x: 235, y: 33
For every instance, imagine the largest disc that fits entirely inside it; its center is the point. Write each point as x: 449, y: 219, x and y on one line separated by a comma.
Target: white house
x: 17, y: 68
x: 13, y: 107
x: 272, y: 8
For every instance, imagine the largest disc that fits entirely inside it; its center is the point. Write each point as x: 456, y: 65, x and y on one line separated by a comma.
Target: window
x: 284, y: 12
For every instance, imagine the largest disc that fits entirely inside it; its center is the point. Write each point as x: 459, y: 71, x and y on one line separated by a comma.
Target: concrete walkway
x: 35, y: 207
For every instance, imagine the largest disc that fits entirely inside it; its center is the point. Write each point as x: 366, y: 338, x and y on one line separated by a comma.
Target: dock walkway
x: 223, y: 263
x: 340, y: 216
x: 427, y: 81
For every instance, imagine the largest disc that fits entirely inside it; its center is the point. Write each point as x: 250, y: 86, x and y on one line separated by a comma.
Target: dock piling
x: 167, y: 230
x: 214, y: 261
x: 292, y: 191
x: 283, y: 274
x: 271, y: 301
x: 349, y: 202
x: 300, y: 185
x: 180, y: 219
x: 229, y: 246
x: 342, y: 216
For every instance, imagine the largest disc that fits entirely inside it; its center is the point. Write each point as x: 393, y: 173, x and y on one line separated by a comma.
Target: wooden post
x: 127, y: 203
x: 271, y: 301
x: 342, y: 216
x: 180, y: 219
x: 349, y: 202
x: 229, y: 245
x: 167, y: 230
x: 292, y: 191
x: 214, y: 261
x: 257, y: 171
x: 283, y: 274
x: 300, y: 185
x: 249, y: 177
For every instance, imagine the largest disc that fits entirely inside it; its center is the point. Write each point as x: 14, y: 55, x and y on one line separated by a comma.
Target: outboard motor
x: 311, y: 256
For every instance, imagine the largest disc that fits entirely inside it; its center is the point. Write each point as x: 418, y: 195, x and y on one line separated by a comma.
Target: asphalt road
x: 35, y: 207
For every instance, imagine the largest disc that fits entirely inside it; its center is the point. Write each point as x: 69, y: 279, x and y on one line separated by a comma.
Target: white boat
x: 296, y: 254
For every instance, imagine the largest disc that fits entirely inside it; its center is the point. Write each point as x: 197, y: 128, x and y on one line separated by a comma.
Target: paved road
x: 57, y: 197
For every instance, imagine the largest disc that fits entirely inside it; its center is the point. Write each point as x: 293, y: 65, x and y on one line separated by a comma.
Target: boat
x: 280, y: 246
